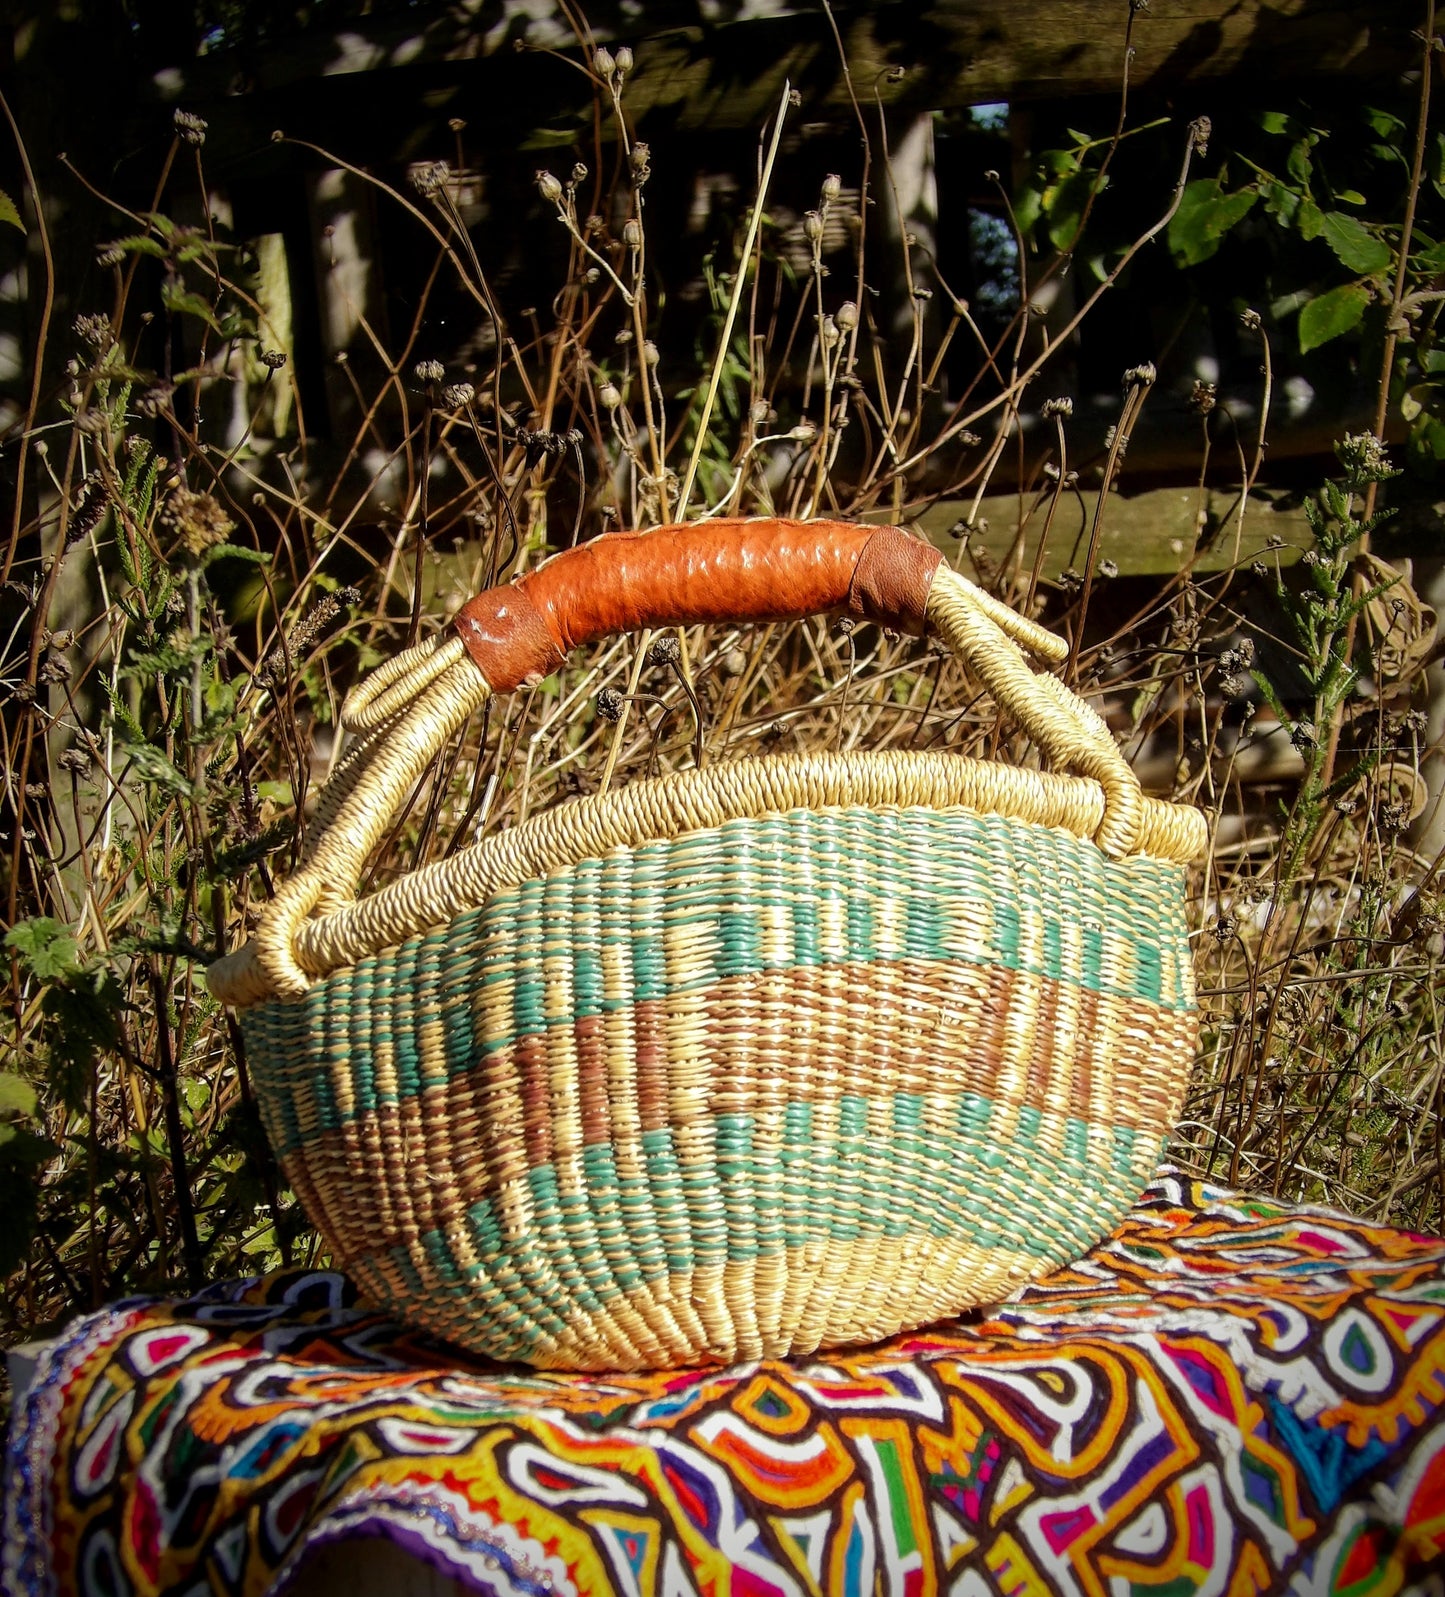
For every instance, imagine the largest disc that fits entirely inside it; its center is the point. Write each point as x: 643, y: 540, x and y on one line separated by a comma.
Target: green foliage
x: 9, y: 212
x: 1206, y: 213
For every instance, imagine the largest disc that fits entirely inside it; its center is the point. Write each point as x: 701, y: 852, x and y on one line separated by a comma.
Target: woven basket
x: 740, y: 1062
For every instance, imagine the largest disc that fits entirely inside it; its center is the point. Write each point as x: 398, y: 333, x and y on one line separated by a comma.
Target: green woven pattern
x: 806, y: 889
x: 557, y: 1127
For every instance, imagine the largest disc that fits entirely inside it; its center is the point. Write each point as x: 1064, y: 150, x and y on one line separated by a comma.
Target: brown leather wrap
x: 723, y: 571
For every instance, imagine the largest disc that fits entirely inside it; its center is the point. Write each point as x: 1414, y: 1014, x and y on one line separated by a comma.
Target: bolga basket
x: 738, y: 1062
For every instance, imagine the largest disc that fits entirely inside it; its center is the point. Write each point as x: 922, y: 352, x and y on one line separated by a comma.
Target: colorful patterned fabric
x: 1227, y: 1396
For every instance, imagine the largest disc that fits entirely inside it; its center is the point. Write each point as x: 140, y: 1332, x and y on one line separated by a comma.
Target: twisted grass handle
x: 719, y: 571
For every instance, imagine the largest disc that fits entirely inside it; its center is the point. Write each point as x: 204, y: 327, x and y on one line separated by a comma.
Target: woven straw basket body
x: 742, y: 1062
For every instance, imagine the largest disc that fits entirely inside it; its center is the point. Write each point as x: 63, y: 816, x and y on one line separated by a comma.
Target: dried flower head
x: 1203, y: 397
x: 1250, y: 320
x: 456, y: 396
x: 650, y: 353
x: 272, y: 359
x: 549, y: 187
x: 1140, y: 376
x: 1363, y: 457
x: 805, y: 432
x: 847, y: 316
x: 608, y: 396
x: 665, y: 650
x: 604, y: 64
x: 428, y: 178
x: 76, y: 761
x: 1062, y: 407
x: 832, y: 188
x: 110, y: 255
x: 429, y: 371
x: 624, y: 60
x: 198, y: 520
x: 609, y: 704
x: 94, y: 330
x: 632, y: 233
x: 641, y: 157
x: 155, y: 401
x: 813, y: 226
x: 190, y: 129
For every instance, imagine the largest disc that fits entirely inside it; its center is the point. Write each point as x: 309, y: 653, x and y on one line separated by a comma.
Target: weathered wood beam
x: 1149, y: 534
x: 722, y: 65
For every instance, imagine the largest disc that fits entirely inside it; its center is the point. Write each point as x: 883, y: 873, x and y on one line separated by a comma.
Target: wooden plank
x: 710, y: 71
x: 1145, y: 535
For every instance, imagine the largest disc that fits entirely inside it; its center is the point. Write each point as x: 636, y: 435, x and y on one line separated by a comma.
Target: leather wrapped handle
x: 738, y: 571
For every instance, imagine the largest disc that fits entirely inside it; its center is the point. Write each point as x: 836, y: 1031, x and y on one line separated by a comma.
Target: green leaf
x: 139, y: 244
x: 184, y: 303
x: 1280, y: 201
x: 149, y: 764
x: 233, y: 551
x: 17, y: 1096
x: 45, y: 947
x: 1064, y: 207
x: 9, y: 212
x: 1332, y: 314
x: 1354, y: 244
x: 1299, y: 165
x: 1311, y: 219
x: 1349, y: 197
x: 1206, y: 213
x: 1280, y: 122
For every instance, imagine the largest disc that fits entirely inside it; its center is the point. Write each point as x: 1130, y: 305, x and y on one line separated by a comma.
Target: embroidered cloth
x: 1227, y: 1395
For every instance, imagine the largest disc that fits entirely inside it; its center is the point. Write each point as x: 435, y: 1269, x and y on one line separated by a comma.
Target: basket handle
x: 718, y: 571
x: 736, y: 571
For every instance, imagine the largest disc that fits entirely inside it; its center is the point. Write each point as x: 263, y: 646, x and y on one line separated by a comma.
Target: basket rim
x: 680, y: 803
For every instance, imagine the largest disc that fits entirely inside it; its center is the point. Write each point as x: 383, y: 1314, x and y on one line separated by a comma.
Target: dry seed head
x: 272, y: 359
x: 847, y: 317
x: 458, y: 395
x: 632, y: 233
x: 608, y: 396
x: 549, y: 187
x: 805, y: 432
x: 828, y: 332
x: 429, y: 371
x: 94, y: 329
x: 1063, y: 407
x: 624, y: 60
x: 75, y: 760
x: 1140, y: 376
x: 579, y: 172
x: 110, y: 255
x: 759, y: 412
x: 641, y: 163
x: 609, y: 704
x: 832, y: 188
x: 190, y: 129
x: 197, y: 519
x: 603, y: 63
x: 429, y: 178
x: 665, y: 651
x: 813, y: 226
x: 650, y: 352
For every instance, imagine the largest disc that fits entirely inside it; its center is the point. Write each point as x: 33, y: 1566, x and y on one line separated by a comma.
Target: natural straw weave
x: 735, y: 1063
